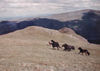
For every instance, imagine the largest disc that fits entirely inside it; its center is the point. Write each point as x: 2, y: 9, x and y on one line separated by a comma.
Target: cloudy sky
x: 27, y: 8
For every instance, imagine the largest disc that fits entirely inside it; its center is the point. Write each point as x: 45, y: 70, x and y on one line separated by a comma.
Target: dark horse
x: 66, y: 47
x: 54, y: 44
x: 84, y: 51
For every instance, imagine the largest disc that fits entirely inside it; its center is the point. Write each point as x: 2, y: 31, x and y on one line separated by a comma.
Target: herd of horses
x: 67, y: 47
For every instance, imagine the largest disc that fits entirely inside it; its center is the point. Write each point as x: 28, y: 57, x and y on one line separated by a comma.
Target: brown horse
x: 54, y: 44
x: 84, y: 51
x: 68, y: 47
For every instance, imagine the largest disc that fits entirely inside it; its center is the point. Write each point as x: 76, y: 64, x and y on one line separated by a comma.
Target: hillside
x: 39, y: 33
x: 28, y: 50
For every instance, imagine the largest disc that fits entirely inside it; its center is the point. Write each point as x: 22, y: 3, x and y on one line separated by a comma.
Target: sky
x: 27, y: 8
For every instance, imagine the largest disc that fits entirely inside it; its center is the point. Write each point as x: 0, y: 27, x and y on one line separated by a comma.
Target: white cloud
x: 14, y: 8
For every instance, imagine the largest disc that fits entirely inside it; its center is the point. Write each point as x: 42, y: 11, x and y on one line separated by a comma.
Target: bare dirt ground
x: 27, y: 51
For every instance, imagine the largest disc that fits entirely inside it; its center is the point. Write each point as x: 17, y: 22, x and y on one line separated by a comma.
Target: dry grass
x: 28, y: 50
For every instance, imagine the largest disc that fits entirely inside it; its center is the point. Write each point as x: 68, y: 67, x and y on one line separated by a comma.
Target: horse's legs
x: 79, y: 53
x: 60, y: 47
x: 86, y: 53
x: 64, y: 49
x: 82, y: 53
x: 69, y: 49
x: 53, y: 47
x: 57, y: 48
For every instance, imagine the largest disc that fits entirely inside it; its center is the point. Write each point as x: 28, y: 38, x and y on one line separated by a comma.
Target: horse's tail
x: 88, y: 53
x: 73, y: 48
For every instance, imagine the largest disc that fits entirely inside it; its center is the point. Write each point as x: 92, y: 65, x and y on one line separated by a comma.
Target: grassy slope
x: 28, y: 50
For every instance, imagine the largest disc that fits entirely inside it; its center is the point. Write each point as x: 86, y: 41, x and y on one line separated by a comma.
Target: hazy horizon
x: 28, y: 8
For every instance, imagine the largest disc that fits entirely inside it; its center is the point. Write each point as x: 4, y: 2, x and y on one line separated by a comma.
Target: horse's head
x: 64, y: 45
x: 52, y: 40
x: 80, y: 48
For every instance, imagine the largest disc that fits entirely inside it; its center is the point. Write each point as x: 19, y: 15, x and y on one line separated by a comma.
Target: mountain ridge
x: 89, y: 23
x: 75, y: 15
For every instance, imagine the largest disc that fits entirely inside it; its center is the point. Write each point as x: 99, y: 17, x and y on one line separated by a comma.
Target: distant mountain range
x: 85, y: 22
x: 76, y: 15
